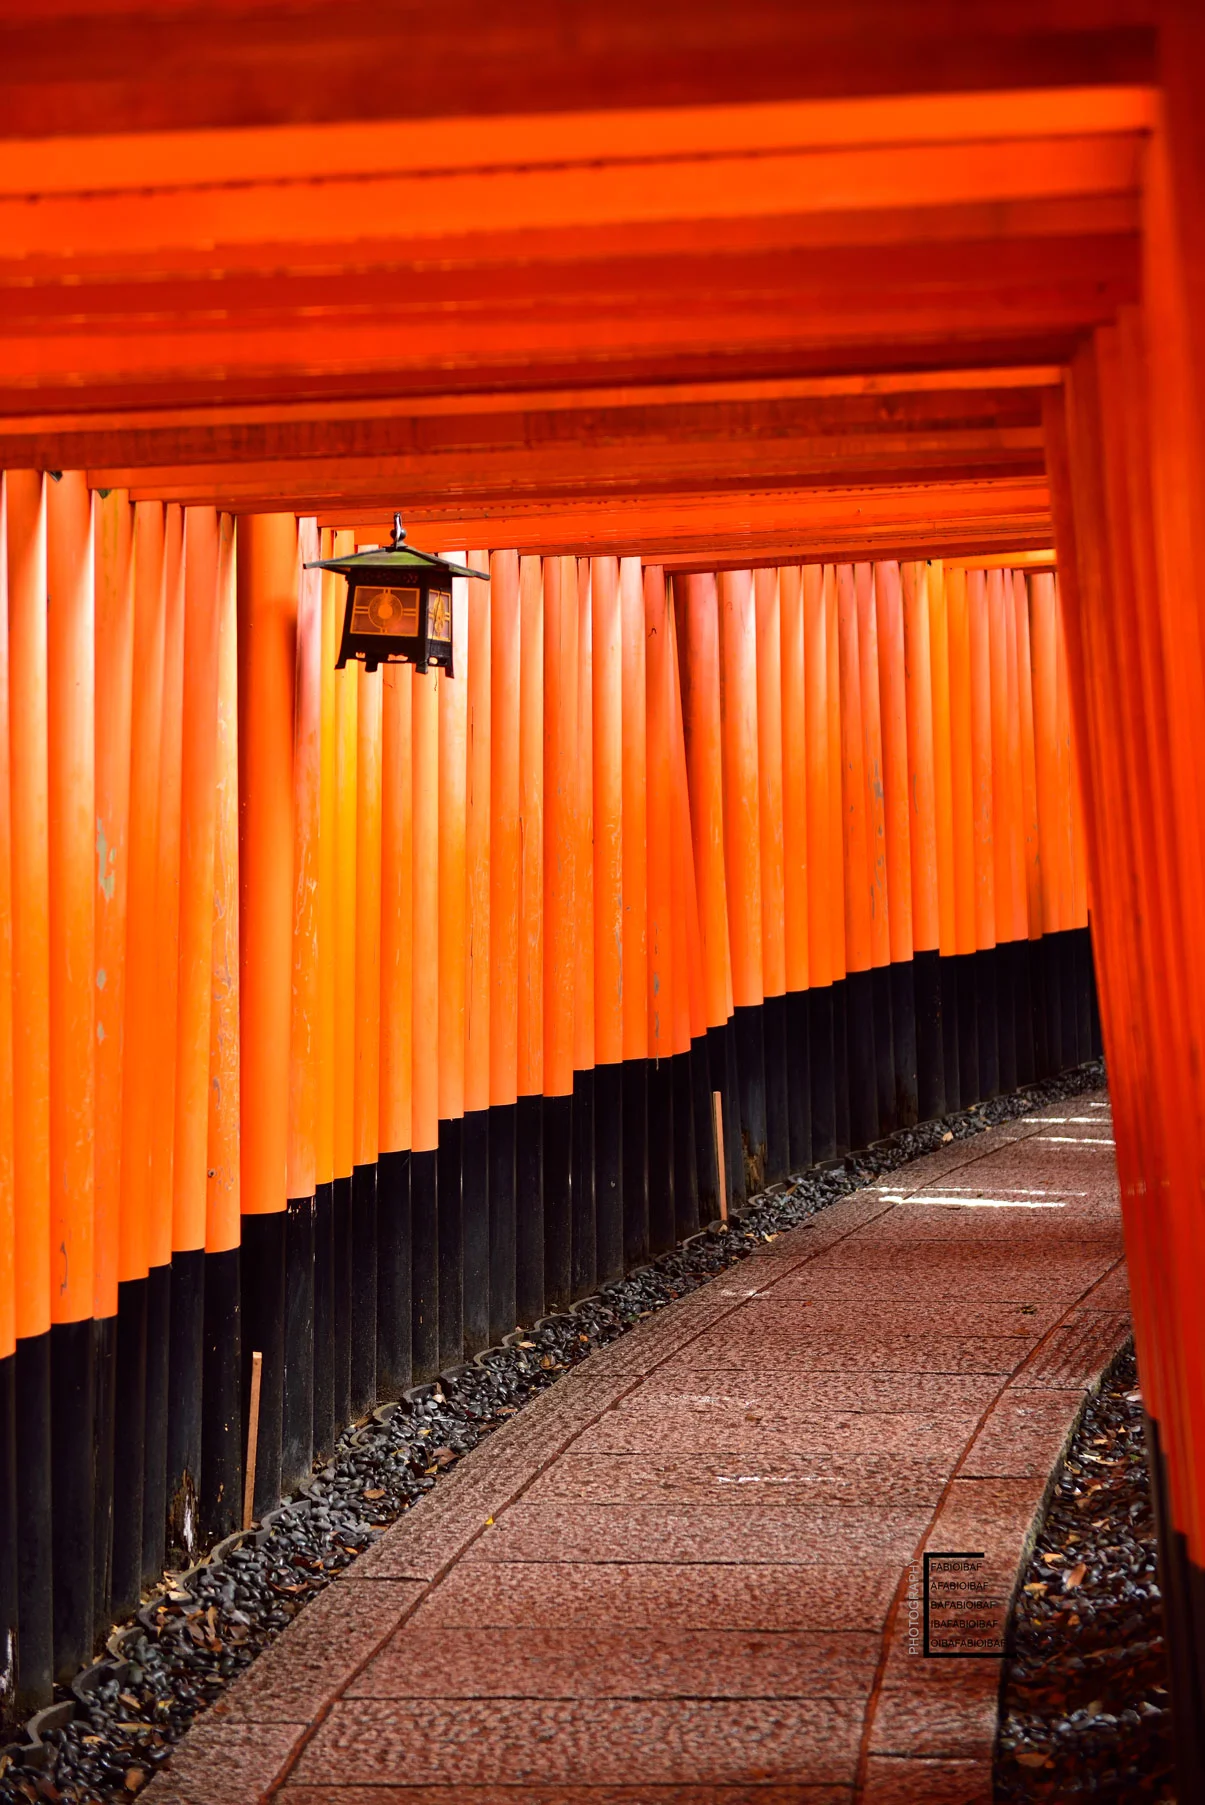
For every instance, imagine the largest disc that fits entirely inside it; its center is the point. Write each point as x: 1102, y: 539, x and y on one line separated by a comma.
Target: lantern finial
x: 399, y: 533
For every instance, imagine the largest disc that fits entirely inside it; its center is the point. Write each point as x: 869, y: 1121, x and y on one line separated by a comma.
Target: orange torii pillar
x: 697, y: 607
x: 138, y: 1054
x: 114, y: 564
x: 862, y: 1031
x: 329, y: 1137
x: 773, y: 881
x: 190, y: 1162
x: 474, y: 600
x: 306, y: 1023
x: 795, y: 866
x: 607, y: 778
x: 72, y: 873
x: 935, y: 1103
x: 504, y: 875
x: 267, y: 619
x: 26, y: 531
x: 696, y: 1189
x: 221, y: 1499
x: 1002, y: 651
x: 561, y: 680
x: 584, y: 1227
x: 453, y: 975
x: 983, y: 825
x: 742, y: 857
x: 823, y: 895
x: 397, y: 974
x: 662, y: 974
x: 635, y: 918
x: 962, y: 785
x: 917, y: 1057
x: 9, y: 1528
x: 529, y: 1137
x: 366, y: 1086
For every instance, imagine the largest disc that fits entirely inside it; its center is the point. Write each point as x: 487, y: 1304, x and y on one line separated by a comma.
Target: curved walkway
x: 682, y: 1574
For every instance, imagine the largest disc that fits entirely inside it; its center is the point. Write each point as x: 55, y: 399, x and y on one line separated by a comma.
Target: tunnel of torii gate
x: 819, y: 392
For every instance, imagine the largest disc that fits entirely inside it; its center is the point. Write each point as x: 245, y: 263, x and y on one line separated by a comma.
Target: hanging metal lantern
x: 399, y: 605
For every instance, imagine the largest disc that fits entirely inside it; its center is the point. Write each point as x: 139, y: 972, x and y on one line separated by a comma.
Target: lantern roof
x: 396, y: 559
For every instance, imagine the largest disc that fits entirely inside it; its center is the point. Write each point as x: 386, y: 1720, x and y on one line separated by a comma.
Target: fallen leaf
x: 947, y: 1136
x: 527, y: 1344
x: 1032, y: 1758
x: 1075, y: 1577
x: 1037, y: 1587
x: 373, y: 1491
x: 135, y: 1779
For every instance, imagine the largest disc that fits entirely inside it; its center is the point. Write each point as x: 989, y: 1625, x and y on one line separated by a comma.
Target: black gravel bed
x: 1085, y: 1708
x: 104, y: 1739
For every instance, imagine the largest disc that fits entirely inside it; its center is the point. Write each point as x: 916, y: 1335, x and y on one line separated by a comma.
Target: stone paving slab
x: 680, y: 1574
x: 575, y: 1661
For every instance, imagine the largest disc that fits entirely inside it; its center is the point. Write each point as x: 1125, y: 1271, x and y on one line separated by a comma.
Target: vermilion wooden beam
x: 970, y: 516
x: 119, y: 69
x: 555, y: 473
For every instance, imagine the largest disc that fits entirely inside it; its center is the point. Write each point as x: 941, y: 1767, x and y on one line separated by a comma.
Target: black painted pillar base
x: 297, y: 1443
x: 948, y: 973
x: 364, y: 1288
x: 840, y: 994
x: 450, y: 1215
x: 9, y: 1530
x: 35, y: 1648
x: 861, y: 1075
x: 1022, y: 984
x: 72, y: 1427
x: 660, y: 1081
x: 558, y: 1201
x: 608, y: 1173
x: 823, y: 1073
x: 635, y: 1164
x: 262, y: 1288
x: 903, y: 1037
x: 1182, y: 1587
x: 341, y: 1235
x: 503, y: 1315
x: 1005, y: 962
x: 393, y: 1274
x: 475, y: 1212
x: 778, y: 1112
x: 221, y: 1500
x: 985, y: 1008
x: 930, y: 1036
x: 529, y: 1209
x: 324, y: 1432
x: 154, y: 1484
x: 720, y: 1076
x: 884, y: 1049
x: 584, y: 1260
x: 686, y: 1164
x: 185, y: 1362
x: 746, y: 1029
x: 129, y: 1451
x: 1085, y: 989
x: 424, y: 1271
x: 105, y: 1419
x: 968, y: 1030
x: 799, y: 1081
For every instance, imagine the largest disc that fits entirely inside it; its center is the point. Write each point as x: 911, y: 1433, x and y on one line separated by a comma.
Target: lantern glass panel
x: 439, y: 617
x: 392, y: 612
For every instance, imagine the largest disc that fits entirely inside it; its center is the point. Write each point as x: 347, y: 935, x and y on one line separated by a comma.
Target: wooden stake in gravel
x: 717, y: 1105
x: 257, y: 1368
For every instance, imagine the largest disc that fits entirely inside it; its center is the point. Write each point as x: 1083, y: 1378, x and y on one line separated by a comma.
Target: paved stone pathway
x: 683, y: 1573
